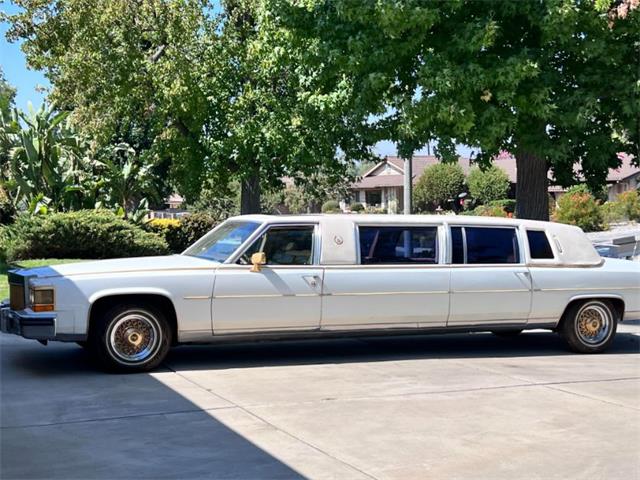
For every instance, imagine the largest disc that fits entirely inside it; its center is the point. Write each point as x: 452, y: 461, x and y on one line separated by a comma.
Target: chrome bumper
x: 35, y: 326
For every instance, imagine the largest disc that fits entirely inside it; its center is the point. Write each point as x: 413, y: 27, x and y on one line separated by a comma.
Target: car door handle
x: 312, y: 280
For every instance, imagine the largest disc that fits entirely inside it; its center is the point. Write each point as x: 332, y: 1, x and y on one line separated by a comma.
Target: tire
x: 589, y: 326
x: 506, y: 333
x: 130, y: 338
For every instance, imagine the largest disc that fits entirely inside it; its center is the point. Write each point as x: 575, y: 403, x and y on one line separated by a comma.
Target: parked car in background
x: 260, y: 277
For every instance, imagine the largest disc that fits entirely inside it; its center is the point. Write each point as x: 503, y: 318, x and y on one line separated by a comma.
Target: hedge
x: 81, y: 234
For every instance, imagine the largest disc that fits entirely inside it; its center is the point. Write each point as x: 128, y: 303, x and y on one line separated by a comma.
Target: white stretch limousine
x: 257, y: 276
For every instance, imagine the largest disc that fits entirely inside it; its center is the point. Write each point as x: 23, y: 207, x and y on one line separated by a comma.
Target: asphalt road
x: 454, y: 406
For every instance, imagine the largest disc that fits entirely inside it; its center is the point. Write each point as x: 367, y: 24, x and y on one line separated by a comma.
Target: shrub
x: 437, y: 185
x: 612, y: 212
x: 80, y: 234
x: 630, y: 204
x: 356, y: 207
x: 578, y: 207
x: 507, y: 204
x: 488, y: 185
x: 490, y: 211
x: 4, y: 243
x: 7, y: 210
x: 331, y: 206
x: 192, y: 228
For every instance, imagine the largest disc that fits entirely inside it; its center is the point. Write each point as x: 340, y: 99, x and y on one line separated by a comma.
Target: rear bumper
x: 35, y: 326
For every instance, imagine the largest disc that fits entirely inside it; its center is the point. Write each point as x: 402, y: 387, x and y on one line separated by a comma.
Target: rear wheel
x: 130, y: 338
x: 590, y: 326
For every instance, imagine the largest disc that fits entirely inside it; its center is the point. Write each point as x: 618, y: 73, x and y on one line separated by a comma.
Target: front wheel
x: 131, y: 338
x: 589, y: 327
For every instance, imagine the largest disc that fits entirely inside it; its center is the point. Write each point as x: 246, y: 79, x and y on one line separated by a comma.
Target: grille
x: 16, y: 296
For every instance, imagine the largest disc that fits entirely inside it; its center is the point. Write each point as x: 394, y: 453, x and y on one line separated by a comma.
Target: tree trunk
x: 250, y: 195
x: 532, y: 197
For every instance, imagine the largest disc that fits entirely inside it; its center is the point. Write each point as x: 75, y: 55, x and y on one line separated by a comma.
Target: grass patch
x: 4, y: 286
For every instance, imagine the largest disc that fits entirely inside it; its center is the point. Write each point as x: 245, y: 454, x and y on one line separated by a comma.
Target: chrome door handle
x: 312, y: 280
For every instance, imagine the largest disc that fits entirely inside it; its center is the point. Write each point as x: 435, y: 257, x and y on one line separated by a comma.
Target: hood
x: 122, y: 265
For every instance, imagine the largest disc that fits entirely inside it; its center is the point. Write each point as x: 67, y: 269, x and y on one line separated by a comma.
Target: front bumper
x: 27, y: 324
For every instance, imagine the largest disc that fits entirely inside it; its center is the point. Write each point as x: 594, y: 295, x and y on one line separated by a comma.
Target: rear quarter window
x: 539, y: 247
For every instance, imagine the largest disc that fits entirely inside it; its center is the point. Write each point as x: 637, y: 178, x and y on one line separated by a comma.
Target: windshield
x: 220, y: 243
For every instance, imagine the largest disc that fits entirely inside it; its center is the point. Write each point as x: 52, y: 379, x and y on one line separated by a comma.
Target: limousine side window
x: 287, y: 245
x: 398, y: 245
x: 539, y: 247
x: 482, y: 245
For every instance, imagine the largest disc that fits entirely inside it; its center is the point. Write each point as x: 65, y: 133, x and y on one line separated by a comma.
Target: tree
x: 438, y: 186
x: 7, y: 96
x: 554, y: 82
x: 488, y: 185
x: 219, y: 97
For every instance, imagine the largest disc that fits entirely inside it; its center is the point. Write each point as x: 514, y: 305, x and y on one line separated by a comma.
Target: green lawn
x: 4, y: 287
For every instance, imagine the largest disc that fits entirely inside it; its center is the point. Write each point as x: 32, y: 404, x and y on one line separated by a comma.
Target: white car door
x: 284, y: 295
x: 490, y: 284
x: 400, y: 282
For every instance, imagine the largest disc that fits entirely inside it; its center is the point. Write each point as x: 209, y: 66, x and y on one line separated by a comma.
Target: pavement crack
x: 107, y: 419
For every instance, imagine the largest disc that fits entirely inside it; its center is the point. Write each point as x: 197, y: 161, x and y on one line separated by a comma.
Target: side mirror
x: 257, y: 260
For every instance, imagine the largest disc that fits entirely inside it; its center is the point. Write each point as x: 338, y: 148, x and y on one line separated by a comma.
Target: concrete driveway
x: 454, y: 406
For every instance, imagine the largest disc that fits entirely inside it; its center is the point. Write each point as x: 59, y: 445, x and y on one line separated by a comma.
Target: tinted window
x: 283, y: 246
x: 491, y: 245
x: 397, y: 245
x: 457, y: 245
x: 539, y: 244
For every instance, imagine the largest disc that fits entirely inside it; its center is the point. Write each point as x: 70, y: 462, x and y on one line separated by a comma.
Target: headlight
x: 42, y: 299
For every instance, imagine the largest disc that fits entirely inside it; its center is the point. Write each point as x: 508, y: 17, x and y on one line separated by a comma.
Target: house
x: 382, y: 186
x: 173, y: 211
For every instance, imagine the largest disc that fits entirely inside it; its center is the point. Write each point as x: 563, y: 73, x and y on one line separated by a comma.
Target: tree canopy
x: 214, y: 97
x: 7, y: 96
x: 554, y: 82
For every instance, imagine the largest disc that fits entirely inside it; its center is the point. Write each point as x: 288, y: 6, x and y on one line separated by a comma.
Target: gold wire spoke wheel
x: 134, y: 337
x: 593, y: 323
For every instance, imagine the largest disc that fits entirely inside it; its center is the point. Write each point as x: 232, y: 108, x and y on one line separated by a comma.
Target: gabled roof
x: 505, y: 161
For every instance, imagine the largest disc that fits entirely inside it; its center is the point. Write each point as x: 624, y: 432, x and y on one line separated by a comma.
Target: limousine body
x: 259, y: 277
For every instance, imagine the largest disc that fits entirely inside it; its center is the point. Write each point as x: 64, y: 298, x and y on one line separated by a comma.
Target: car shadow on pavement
x: 379, y: 349
x: 60, y: 418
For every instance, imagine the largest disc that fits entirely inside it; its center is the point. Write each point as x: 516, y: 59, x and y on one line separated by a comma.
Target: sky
x: 31, y: 84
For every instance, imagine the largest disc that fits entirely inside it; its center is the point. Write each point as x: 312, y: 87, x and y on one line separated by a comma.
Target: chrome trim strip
x: 606, y: 290
x: 493, y: 291
x: 268, y: 295
x: 344, y: 294
x: 197, y: 297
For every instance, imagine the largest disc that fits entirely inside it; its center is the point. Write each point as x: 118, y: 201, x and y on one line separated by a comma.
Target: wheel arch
x: 616, y: 300
x: 100, y: 303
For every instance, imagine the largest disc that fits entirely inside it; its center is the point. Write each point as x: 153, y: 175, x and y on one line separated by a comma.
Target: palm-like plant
x: 46, y: 162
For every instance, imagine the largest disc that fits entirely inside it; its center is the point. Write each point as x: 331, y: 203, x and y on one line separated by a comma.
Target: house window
x: 398, y: 245
x: 484, y: 245
x: 539, y: 247
x: 373, y: 197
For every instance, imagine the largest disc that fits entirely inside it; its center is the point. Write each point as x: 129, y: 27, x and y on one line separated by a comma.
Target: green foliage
x: 7, y: 209
x: 551, y: 81
x: 437, y: 185
x: 489, y: 211
x: 578, y: 207
x: 625, y: 207
x: 356, y: 207
x: 179, y: 234
x: 7, y: 96
x: 507, y: 204
x: 331, y: 206
x: 215, y: 95
x: 630, y: 204
x: 80, y: 234
x: 488, y: 185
